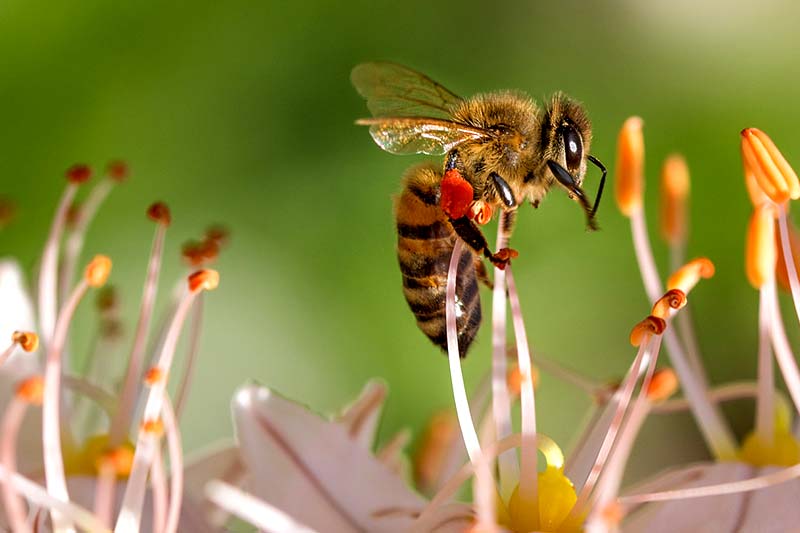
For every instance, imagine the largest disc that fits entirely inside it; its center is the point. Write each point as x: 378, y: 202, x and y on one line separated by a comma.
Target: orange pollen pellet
x: 768, y: 166
x: 630, y: 164
x: 761, y: 254
x: 153, y: 427
x: 686, y: 277
x: 79, y: 173
x: 31, y: 390
x: 652, y: 325
x: 674, y: 193
x: 117, y: 170
x: 153, y: 376
x: 27, y: 340
x: 98, y: 270
x: 663, y: 385
x: 672, y: 299
x: 206, y: 279
x: 159, y: 212
x: 120, y: 460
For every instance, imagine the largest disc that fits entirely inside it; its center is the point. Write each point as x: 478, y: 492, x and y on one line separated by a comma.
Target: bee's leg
x: 482, y: 274
x: 471, y: 234
x: 509, y: 219
x: 503, y: 190
x: 453, y: 161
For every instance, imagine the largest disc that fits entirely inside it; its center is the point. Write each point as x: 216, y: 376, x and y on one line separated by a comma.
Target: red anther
x: 159, y: 212
x: 153, y: 376
x: 79, y: 173
x: 456, y: 194
x: 480, y: 212
x: 205, y: 279
x: 218, y: 234
x: 27, y: 340
x: 117, y: 170
x: 31, y: 390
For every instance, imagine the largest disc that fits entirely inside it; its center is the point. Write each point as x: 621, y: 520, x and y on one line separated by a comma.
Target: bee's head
x: 566, y: 136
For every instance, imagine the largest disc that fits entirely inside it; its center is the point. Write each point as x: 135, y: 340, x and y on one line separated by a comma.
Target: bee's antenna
x: 602, y: 168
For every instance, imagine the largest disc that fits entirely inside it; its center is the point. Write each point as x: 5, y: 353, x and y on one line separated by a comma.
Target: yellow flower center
x: 783, y: 450
x: 95, y: 455
x: 555, y: 499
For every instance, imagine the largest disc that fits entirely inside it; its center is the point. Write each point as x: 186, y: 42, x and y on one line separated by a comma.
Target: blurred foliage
x: 242, y: 113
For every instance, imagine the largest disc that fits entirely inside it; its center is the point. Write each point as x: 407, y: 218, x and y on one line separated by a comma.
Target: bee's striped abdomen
x: 425, y: 241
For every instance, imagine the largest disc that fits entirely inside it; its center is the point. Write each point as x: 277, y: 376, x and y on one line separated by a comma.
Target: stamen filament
x: 176, y: 466
x: 528, y: 454
x: 191, y: 357
x: 13, y: 506
x: 7, y: 353
x: 158, y: 487
x: 788, y: 258
x: 459, y: 392
x: 765, y: 404
x: 253, y: 510
x: 783, y: 351
x: 507, y: 467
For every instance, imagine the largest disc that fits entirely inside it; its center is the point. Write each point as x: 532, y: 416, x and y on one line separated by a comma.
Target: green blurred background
x: 242, y: 113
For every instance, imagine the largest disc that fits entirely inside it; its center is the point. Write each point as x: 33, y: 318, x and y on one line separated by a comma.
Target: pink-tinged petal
x: 768, y: 510
x: 448, y: 518
x: 311, y: 469
x: 81, y: 492
x: 219, y: 461
x: 16, y: 314
x: 362, y: 416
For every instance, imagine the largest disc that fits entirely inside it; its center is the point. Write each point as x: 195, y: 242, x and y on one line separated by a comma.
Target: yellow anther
x: 672, y: 299
x: 98, y: 270
x: 674, y: 194
x: 206, y: 279
x: 686, y: 277
x: 663, y: 385
x: 760, y: 251
x: 652, y: 325
x: 630, y: 164
x: 31, y: 390
x: 27, y: 340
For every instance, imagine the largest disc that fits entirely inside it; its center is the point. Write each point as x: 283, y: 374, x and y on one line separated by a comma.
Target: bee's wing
x: 409, y: 135
x: 393, y: 90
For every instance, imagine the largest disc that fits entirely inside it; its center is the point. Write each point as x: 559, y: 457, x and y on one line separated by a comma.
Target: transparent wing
x: 406, y: 135
x: 393, y: 90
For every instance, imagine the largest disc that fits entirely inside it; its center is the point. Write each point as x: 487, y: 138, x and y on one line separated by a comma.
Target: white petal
x: 773, y: 509
x: 362, y: 416
x: 311, y: 469
x: 219, y: 461
x: 16, y: 313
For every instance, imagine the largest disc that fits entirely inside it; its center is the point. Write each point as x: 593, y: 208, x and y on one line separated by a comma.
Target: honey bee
x: 501, y: 150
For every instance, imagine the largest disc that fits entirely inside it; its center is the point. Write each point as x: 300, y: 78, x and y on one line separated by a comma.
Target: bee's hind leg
x: 471, y: 234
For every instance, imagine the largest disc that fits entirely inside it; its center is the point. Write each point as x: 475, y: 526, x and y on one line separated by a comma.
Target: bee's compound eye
x: 573, y: 148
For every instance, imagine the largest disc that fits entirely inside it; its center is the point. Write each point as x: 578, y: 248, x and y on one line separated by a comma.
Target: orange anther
x: 760, y: 251
x: 97, y: 271
x: 768, y: 166
x: 515, y: 379
x: 27, y: 340
x: 31, y: 390
x: 117, y: 170
x: 153, y: 376
x: 663, y: 385
x: 153, y: 427
x: 206, y: 279
x: 612, y: 514
x: 630, y: 165
x: 672, y: 299
x: 218, y: 234
x: 674, y: 194
x: 686, y: 277
x: 652, y: 325
x: 79, y: 173
x: 431, y: 456
x: 159, y: 212
x: 119, y: 460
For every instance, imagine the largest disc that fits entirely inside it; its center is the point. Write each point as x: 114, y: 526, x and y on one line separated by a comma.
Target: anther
x: 761, y: 254
x: 662, y: 385
x: 480, y: 212
x: 119, y: 460
x: 153, y: 375
x: 612, y: 515
x: 107, y: 299
x: 630, y: 163
x: 8, y: 210
x: 98, y: 270
x: 515, y: 380
x: 79, y: 173
x: 218, y: 234
x: 652, y: 325
x: 159, y: 212
x: 31, y: 390
x: 672, y: 299
x: 769, y: 168
x: 206, y: 279
x: 117, y: 170
x: 686, y: 277
x: 153, y: 427
x: 674, y: 193
x: 27, y: 340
